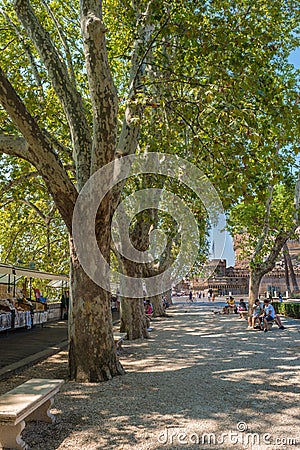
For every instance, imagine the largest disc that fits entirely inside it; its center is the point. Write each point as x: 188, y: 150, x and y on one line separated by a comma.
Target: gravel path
x: 203, y: 381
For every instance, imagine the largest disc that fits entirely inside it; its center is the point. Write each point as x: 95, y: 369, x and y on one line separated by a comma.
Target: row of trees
x: 92, y: 81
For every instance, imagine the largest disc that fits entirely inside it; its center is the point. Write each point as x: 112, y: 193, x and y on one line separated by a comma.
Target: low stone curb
x: 8, y: 371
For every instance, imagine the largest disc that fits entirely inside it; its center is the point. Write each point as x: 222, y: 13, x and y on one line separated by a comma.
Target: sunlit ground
x: 199, y: 373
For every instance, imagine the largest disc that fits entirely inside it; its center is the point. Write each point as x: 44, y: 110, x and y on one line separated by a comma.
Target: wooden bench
x: 29, y: 401
x: 119, y: 338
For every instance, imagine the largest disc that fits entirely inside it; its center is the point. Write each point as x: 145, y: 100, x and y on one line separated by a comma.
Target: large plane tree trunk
x: 286, y: 272
x: 254, y: 283
x: 290, y: 268
x: 158, y: 309
x: 92, y: 352
x: 133, y: 319
x: 132, y: 312
x: 264, y: 259
x: 92, y: 355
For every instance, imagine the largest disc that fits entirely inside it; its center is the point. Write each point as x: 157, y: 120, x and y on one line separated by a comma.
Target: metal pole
x: 8, y: 288
x: 14, y: 285
x: 30, y: 287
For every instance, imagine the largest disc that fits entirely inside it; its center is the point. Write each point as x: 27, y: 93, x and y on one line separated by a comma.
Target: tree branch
x: 102, y: 90
x: 27, y: 50
x: 35, y: 208
x: 64, y: 42
x: 37, y: 150
x: 282, y: 237
x: 68, y: 95
x: 128, y: 140
x: 265, y: 230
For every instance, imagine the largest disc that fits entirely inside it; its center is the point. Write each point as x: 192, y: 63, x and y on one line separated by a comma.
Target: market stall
x: 23, y: 306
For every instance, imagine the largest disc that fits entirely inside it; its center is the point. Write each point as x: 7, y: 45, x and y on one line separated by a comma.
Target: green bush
x: 290, y: 309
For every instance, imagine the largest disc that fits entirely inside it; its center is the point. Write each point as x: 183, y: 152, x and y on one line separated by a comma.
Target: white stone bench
x: 119, y: 338
x: 270, y: 325
x: 243, y: 314
x: 29, y: 401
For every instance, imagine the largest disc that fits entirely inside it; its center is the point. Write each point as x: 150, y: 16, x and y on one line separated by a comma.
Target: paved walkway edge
x: 7, y: 371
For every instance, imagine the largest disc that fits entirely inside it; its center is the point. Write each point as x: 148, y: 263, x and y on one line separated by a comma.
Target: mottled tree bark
x: 92, y: 352
x: 291, y: 269
x: 132, y: 312
x: 286, y: 271
x: 158, y: 309
x: 133, y: 319
x: 254, y: 283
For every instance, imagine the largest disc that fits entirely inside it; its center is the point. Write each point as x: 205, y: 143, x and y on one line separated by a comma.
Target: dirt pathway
x: 203, y: 381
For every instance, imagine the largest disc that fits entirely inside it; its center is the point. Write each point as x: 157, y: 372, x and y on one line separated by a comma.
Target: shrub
x: 290, y: 309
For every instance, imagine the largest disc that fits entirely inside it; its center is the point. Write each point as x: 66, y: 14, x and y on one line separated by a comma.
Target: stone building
x: 224, y: 280
x: 234, y: 280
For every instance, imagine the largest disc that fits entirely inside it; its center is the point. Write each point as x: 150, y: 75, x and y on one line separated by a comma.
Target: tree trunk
x: 168, y: 295
x: 158, y: 309
x: 286, y: 271
x: 132, y: 312
x: 92, y: 352
x: 291, y: 269
x: 133, y: 319
x: 254, y: 283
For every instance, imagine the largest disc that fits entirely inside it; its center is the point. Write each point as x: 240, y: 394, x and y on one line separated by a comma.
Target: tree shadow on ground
x: 199, y: 373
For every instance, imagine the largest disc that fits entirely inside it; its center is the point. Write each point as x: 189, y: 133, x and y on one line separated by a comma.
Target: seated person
x: 165, y: 302
x: 278, y: 322
x: 242, y: 306
x: 230, y: 305
x: 148, y: 308
x: 268, y: 314
x: 148, y: 312
x: 257, y: 311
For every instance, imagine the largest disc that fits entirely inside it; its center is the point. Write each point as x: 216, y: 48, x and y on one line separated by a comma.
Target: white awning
x: 18, y: 272
x: 58, y: 283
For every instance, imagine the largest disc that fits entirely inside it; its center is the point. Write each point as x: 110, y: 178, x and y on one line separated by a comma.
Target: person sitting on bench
x: 231, y: 306
x: 148, y: 308
x: 268, y: 314
x: 241, y: 307
x: 148, y: 311
x: 278, y: 322
x: 257, y: 312
x: 165, y: 303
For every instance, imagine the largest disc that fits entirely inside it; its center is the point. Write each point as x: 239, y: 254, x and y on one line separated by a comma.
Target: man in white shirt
x: 269, y: 314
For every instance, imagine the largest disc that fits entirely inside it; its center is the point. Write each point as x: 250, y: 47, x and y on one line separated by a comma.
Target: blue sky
x: 295, y: 58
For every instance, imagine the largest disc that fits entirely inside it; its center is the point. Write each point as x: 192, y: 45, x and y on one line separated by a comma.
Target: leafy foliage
x: 288, y: 309
x: 216, y: 88
x: 251, y: 220
x: 31, y: 230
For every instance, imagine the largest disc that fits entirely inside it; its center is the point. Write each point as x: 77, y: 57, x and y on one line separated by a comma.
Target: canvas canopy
x: 8, y: 273
x: 58, y: 283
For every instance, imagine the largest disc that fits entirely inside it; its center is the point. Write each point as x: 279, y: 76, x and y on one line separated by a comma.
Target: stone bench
x: 29, y: 401
x: 243, y: 314
x: 270, y: 325
x: 119, y: 338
